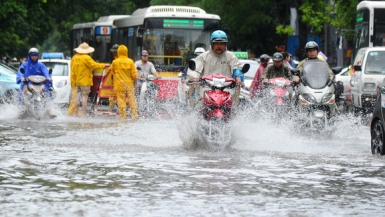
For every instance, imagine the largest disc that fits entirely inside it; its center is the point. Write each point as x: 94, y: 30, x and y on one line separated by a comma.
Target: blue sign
x: 56, y: 55
x: 130, y: 32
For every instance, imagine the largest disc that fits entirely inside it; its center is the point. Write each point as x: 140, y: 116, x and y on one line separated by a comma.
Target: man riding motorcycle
x: 277, y: 69
x: 218, y: 60
x: 33, y: 67
x: 311, y: 49
x: 257, y: 85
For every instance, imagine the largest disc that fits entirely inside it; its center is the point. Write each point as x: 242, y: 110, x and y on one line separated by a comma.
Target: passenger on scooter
x: 33, y: 67
x: 218, y: 60
x: 125, y: 74
x: 192, y: 89
x: 257, y: 85
x: 146, y: 68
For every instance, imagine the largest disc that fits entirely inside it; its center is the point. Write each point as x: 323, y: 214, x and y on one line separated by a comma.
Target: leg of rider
x: 142, y: 95
x: 132, y: 103
x: 235, y: 97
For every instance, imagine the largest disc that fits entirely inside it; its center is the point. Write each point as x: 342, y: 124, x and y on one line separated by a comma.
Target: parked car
x: 8, y: 87
x: 368, y: 72
x: 61, y: 79
x: 377, y: 133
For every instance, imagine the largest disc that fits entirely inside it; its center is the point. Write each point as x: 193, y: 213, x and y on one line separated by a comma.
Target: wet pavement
x: 105, y: 167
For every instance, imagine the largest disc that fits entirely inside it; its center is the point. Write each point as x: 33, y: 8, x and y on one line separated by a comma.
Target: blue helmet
x: 218, y: 36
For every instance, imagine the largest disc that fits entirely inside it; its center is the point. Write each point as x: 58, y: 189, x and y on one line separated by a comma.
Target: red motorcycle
x: 214, y: 128
x: 277, y: 95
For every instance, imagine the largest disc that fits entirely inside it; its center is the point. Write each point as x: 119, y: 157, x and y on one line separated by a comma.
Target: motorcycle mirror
x: 50, y: 71
x: 245, y: 68
x: 357, y: 68
x: 191, y: 65
x: 336, y: 69
x: 138, y: 68
x: 22, y: 70
x: 295, y: 72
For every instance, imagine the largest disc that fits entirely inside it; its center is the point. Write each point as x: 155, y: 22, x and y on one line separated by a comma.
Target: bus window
x: 379, y: 27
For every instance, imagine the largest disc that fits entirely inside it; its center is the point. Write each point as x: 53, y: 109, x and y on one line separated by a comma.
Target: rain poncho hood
x: 123, y: 69
x: 31, y: 68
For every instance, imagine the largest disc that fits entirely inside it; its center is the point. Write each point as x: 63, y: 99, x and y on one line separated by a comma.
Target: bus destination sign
x: 179, y: 23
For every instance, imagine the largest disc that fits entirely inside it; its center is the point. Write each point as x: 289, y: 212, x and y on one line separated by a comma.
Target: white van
x: 368, y: 72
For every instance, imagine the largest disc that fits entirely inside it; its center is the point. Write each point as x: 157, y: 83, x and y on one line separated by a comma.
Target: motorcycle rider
x: 257, y: 85
x: 125, y: 74
x: 218, y: 60
x: 33, y: 67
x: 311, y: 49
x: 146, y: 68
x: 277, y: 69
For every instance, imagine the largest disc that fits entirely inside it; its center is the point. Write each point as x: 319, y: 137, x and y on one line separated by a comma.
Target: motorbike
x: 316, y: 98
x: 277, y: 97
x: 35, y: 95
x: 147, y: 93
x: 213, y: 126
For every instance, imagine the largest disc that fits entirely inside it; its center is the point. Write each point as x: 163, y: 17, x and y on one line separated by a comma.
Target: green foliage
x: 256, y: 25
x: 285, y: 30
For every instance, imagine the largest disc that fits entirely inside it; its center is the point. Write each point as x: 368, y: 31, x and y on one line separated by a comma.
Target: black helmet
x: 277, y: 56
x: 264, y: 58
x: 311, y: 45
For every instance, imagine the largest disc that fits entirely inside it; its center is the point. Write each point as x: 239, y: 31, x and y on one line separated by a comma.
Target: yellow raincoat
x: 124, y: 71
x: 81, y: 75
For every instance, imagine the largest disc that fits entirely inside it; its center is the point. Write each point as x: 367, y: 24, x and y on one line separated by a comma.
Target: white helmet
x: 33, y: 50
x: 199, y: 50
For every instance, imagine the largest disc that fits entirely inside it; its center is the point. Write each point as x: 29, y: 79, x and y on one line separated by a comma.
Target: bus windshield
x: 173, y: 41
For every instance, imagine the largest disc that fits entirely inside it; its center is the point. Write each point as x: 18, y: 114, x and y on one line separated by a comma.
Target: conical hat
x: 84, y: 48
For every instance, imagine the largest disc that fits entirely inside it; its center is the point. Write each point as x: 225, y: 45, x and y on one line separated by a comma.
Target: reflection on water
x: 96, y: 167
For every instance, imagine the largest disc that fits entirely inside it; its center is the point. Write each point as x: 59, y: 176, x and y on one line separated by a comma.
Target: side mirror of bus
x: 191, y: 65
x: 245, y: 68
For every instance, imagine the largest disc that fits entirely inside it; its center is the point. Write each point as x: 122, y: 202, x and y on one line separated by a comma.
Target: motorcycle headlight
x: 327, y: 97
x: 310, y: 98
x: 61, y: 84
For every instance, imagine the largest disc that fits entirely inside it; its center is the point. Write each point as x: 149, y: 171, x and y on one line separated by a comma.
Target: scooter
x: 277, y: 97
x: 147, y: 93
x: 35, y: 95
x: 214, y: 128
x: 316, y: 98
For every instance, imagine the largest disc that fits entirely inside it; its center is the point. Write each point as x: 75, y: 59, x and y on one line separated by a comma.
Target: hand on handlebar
x: 195, y: 79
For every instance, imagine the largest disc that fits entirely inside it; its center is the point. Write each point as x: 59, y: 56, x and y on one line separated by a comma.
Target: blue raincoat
x: 32, y: 68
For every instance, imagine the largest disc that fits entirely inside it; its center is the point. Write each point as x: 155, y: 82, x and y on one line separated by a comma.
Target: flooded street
x: 104, y: 167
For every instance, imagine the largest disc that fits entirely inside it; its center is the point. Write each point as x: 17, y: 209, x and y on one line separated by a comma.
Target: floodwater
x: 104, y: 167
